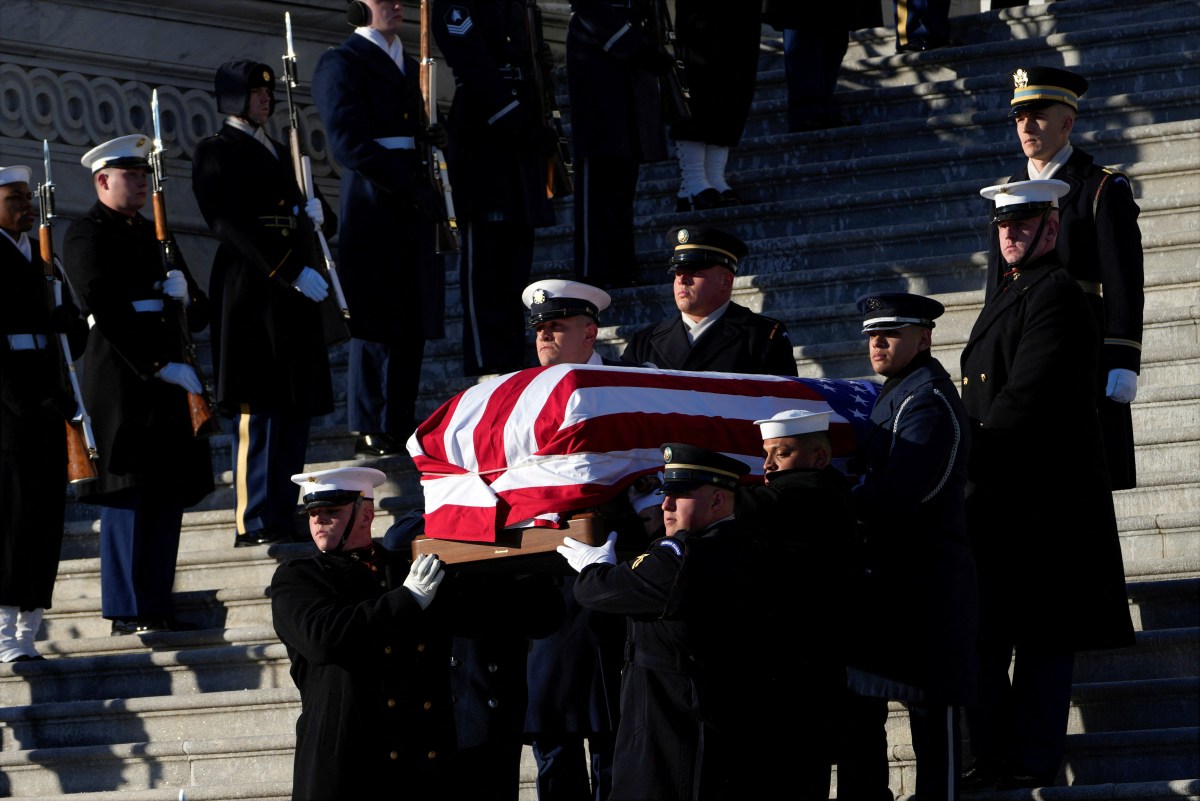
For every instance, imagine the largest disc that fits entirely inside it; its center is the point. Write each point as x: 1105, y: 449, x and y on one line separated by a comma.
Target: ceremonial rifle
x: 81, y: 441
x: 676, y: 98
x: 200, y: 406
x: 302, y: 164
x: 435, y: 160
x: 558, y: 167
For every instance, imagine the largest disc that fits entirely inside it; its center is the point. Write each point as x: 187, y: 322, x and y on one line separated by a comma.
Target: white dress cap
x: 339, y: 485
x: 793, y: 423
x: 18, y: 174
x: 1023, y: 199
x: 552, y: 298
x: 124, y: 151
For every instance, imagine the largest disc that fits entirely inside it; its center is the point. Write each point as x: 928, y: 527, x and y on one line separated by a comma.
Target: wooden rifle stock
x: 558, y: 164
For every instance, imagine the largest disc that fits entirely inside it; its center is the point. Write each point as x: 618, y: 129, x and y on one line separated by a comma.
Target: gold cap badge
x: 683, y: 236
x: 1020, y: 79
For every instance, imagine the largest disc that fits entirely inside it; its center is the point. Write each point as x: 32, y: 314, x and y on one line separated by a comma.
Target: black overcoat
x: 498, y: 150
x: 1039, y: 505
x: 678, y: 689
x: 616, y: 107
x: 35, y: 402
x: 740, y: 342
x: 1100, y: 245
x: 916, y: 618
x: 268, y: 346
x: 393, y: 279
x: 142, y: 424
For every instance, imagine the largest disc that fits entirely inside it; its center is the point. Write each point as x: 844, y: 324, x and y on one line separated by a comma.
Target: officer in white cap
x: 801, y: 515
x: 1026, y: 218
x: 565, y: 318
x: 35, y: 406
x: 151, y: 465
x: 369, y: 656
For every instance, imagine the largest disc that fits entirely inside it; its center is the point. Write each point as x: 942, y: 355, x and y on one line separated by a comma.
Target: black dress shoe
x: 138, y: 625
x: 371, y: 446
x: 708, y: 199
x: 264, y: 536
x: 28, y: 658
x: 981, y: 776
x: 729, y: 197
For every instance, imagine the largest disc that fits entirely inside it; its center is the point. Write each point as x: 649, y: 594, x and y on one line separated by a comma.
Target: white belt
x: 147, y: 305
x: 27, y: 341
x: 397, y: 142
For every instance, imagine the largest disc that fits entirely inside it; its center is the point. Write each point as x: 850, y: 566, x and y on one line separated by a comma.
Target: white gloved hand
x: 312, y: 285
x: 315, y: 212
x: 579, y: 555
x: 181, y: 375
x: 1122, y: 385
x: 175, y: 286
x: 424, y: 577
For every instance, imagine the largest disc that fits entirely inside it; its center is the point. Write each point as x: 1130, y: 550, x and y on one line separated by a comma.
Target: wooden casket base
x: 585, y: 527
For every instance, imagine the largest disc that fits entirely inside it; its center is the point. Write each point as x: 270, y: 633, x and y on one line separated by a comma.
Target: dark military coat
x: 740, y: 342
x: 142, y: 424
x: 917, y: 615
x: 1039, y: 505
x: 268, y: 345
x: 393, y: 280
x: 616, y: 107
x: 1100, y: 245
x: 34, y: 403
x: 498, y: 150
x: 372, y: 670
x: 678, y: 688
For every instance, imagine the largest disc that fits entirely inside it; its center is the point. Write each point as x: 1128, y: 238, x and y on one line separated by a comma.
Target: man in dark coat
x: 269, y: 353
x: 1099, y: 244
x: 368, y: 93
x: 1052, y: 580
x: 801, y: 515
x: 720, y: 53
x: 682, y: 598
x: 712, y: 332
x: 34, y: 403
x: 137, y: 376
x: 369, y: 655
x: 916, y: 561
x: 613, y: 66
x: 497, y: 160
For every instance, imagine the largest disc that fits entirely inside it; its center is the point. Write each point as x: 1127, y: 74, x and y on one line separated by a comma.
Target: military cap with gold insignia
x: 687, y: 467
x: 338, y: 486
x: 234, y: 81
x: 696, y: 248
x: 124, y: 151
x: 1038, y: 87
x: 887, y: 311
x: 1021, y: 200
x: 553, y: 298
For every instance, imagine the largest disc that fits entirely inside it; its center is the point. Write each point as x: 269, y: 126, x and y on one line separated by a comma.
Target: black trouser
x: 494, y: 266
x: 604, y: 194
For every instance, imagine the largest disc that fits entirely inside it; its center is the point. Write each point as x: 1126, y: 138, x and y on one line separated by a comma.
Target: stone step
x: 1122, y: 706
x: 1158, y: 654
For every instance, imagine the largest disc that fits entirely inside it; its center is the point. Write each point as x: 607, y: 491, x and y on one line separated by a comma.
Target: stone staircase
x: 891, y: 203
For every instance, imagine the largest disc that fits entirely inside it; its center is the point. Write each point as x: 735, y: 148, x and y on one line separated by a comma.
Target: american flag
x: 523, y: 448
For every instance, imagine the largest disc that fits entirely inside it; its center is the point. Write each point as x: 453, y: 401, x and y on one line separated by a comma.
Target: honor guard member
x: 614, y: 63
x: 712, y: 332
x: 685, y: 600
x: 1099, y: 244
x: 565, y: 318
x: 720, y: 52
x: 368, y: 93
x: 151, y: 465
x: 1052, y: 580
x: 921, y: 25
x: 497, y: 160
x: 801, y: 515
x: 269, y: 355
x: 916, y: 563
x: 34, y: 403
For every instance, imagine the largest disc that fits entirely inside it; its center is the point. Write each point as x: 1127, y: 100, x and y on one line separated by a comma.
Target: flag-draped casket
x: 524, y: 448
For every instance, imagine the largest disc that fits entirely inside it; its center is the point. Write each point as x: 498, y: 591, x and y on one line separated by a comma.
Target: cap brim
x: 677, y: 487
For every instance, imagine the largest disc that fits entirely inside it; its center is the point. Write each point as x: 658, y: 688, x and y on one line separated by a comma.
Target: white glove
x: 579, y: 556
x: 424, y: 577
x: 315, y: 212
x: 175, y: 286
x: 1122, y: 385
x: 181, y: 375
x: 311, y: 285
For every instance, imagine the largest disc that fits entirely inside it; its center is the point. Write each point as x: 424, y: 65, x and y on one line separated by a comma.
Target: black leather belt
x: 276, y: 221
x: 663, y: 663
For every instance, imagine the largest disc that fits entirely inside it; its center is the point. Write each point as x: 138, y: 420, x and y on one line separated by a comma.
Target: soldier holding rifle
x: 34, y: 403
x: 368, y: 94
x: 269, y: 350
x: 136, y: 384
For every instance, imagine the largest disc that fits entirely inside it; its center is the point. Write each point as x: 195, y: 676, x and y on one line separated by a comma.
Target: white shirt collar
x: 21, y: 243
x: 395, y: 50
x: 258, y: 133
x: 595, y: 358
x: 1060, y: 158
x: 695, y: 328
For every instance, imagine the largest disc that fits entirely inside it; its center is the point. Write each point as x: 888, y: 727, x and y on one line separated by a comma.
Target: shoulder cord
x: 953, y: 451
